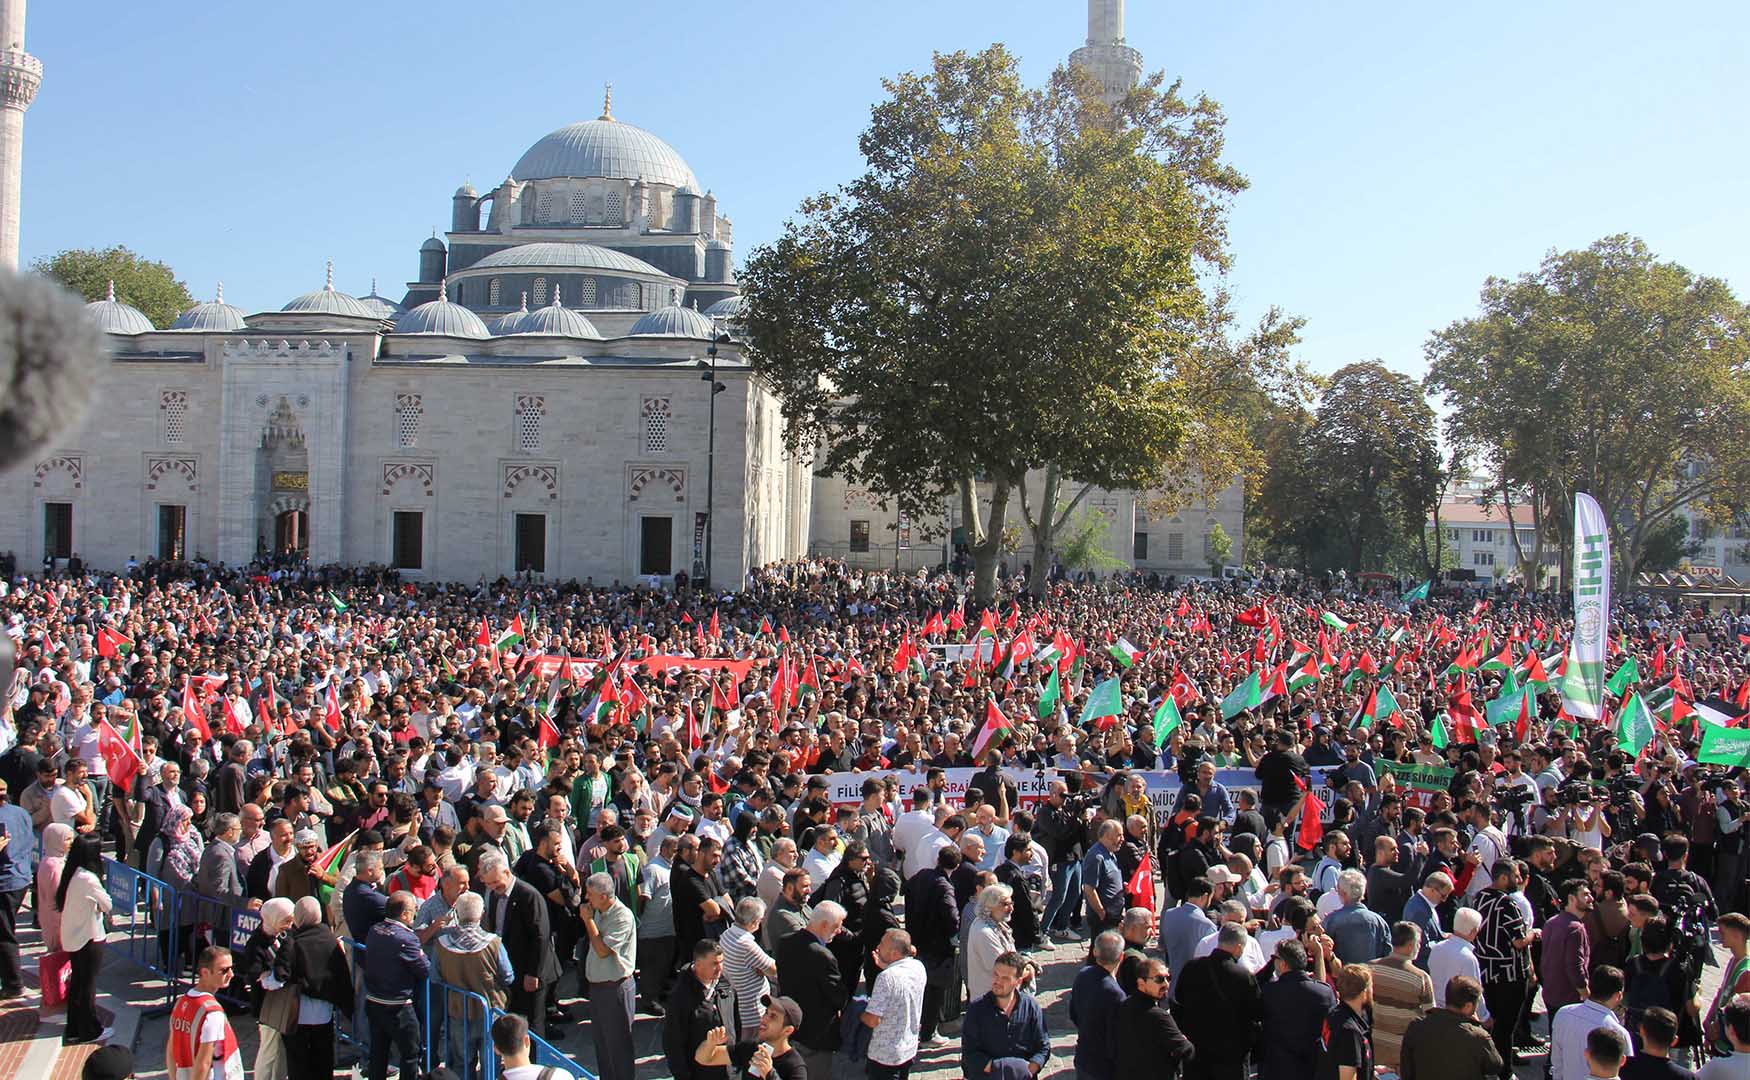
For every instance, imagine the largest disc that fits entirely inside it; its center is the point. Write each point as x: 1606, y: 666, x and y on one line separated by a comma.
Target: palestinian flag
x: 113, y: 643
x: 512, y: 636
x: 1334, y: 621
x: 995, y: 726
x: 1305, y: 677
x: 337, y: 603
x: 1672, y: 702
x: 1420, y: 592
x: 1381, y: 705
x: 765, y: 629
x: 1051, y: 696
x: 329, y: 863
x: 1249, y: 694
x: 1104, y: 701
x: 987, y: 626
x: 1166, y: 720
x: 1124, y: 652
x: 547, y: 735
x: 1634, y: 725
x: 1502, y: 661
x: 1626, y: 676
x: 1532, y: 672
x: 1364, y: 666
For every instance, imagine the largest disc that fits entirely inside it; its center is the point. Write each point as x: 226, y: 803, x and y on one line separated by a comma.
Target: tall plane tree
x: 995, y: 294
x: 1609, y: 372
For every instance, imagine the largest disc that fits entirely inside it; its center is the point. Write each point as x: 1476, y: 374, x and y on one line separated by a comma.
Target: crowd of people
x: 626, y: 806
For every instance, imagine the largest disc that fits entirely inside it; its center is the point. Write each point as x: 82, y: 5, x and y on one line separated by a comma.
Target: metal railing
x: 148, y: 929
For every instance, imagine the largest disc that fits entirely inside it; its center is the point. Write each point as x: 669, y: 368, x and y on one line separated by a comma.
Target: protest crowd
x: 840, y: 821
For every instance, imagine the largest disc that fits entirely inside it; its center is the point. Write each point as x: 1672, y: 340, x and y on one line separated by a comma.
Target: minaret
x: 1116, y: 65
x: 20, y: 75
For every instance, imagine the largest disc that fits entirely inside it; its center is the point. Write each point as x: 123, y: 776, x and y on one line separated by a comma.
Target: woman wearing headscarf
x: 82, y: 902
x: 878, y: 918
x: 275, y: 1006
x: 56, y: 838
x: 180, y: 860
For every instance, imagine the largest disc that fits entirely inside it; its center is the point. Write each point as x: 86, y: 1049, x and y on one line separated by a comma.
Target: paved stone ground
x: 31, y: 1050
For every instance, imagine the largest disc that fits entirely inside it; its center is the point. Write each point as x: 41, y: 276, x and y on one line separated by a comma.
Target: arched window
x: 408, y: 409
x: 656, y: 417
x: 174, y: 405
x: 530, y: 410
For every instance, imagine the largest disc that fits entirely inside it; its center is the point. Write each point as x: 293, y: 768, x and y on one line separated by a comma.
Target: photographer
x: 1062, y: 829
x: 1731, y: 813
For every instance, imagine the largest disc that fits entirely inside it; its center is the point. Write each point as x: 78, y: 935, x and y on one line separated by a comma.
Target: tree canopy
x: 149, y: 286
x: 1610, y: 372
x: 999, y: 292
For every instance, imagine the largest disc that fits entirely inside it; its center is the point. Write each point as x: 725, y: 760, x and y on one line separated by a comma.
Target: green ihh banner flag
x: 1724, y: 746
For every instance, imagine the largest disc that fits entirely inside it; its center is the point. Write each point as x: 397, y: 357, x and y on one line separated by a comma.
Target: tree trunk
x: 1525, y: 573
x: 1042, y: 526
x: 985, y: 543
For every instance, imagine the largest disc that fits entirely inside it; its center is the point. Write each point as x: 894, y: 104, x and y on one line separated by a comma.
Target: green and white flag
x: 1626, y: 676
x: 1634, y: 727
x: 1582, y: 688
x: 1249, y: 694
x: 1420, y: 592
x: 1104, y: 701
x: 1050, y: 696
x: 1334, y: 621
x: 336, y: 602
x: 1724, y: 746
x: 1167, y: 720
x: 1124, y: 652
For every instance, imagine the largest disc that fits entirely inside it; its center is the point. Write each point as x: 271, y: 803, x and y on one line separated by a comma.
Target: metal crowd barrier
x: 147, y: 924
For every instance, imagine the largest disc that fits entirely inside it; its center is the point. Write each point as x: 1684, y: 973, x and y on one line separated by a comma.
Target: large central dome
x: 604, y: 148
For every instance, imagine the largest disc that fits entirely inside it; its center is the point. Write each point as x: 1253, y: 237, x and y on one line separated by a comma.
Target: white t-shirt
x: 66, y: 804
x: 532, y: 1071
x: 1490, y: 847
x: 898, y: 999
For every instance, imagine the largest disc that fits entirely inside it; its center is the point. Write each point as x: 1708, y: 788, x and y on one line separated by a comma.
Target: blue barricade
x: 145, y: 922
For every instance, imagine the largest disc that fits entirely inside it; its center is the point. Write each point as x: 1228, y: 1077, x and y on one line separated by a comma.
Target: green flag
x: 1634, y: 726
x: 1626, y: 676
x: 1438, y: 732
x: 1167, y: 720
x: 1505, y: 708
x: 1724, y: 746
x: 1420, y: 592
x: 339, y: 604
x: 1052, y: 694
x: 1247, y: 695
x: 1104, y: 701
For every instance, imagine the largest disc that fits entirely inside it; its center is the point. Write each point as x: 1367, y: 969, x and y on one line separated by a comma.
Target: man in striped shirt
x: 1402, y: 994
x: 1503, y: 952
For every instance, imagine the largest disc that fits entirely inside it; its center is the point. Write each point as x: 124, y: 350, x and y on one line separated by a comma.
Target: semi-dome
x: 114, y: 317
x: 211, y: 315
x: 507, y: 323
x: 605, y: 148
x: 673, y: 321
x: 565, y: 257
x: 326, y: 301
x: 557, y: 320
x: 441, y: 316
x: 730, y: 307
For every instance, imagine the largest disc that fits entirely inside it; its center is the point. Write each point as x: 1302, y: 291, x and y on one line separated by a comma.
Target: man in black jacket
x: 933, y: 920
x: 1277, y: 773
x: 811, y: 977
x: 1147, y: 1039
x: 1061, y: 831
x: 518, y: 915
x: 1294, y: 1009
x: 695, y: 1008
x: 1217, y: 1008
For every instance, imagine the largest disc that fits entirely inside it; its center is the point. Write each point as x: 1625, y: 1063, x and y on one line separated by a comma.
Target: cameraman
x: 1062, y: 830
x: 1731, y: 812
x: 1516, y: 793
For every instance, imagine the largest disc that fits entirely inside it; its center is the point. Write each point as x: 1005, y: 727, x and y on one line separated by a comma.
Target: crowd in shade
x: 837, y: 819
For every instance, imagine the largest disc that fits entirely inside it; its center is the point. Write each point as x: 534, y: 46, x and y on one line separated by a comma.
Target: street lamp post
x: 709, y: 364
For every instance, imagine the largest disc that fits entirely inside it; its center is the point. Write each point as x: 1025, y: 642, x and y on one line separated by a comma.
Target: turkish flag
x: 1255, y: 616
x: 119, y: 759
x: 331, y: 705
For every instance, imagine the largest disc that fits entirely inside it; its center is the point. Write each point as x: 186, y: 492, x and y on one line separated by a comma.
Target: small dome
x: 730, y: 307
x: 566, y: 257
x: 556, y: 320
x: 441, y: 316
x: 114, y: 317
x: 673, y: 321
x: 433, y: 244
x: 380, y: 306
x: 507, y: 323
x: 326, y: 301
x: 466, y: 191
x: 211, y: 315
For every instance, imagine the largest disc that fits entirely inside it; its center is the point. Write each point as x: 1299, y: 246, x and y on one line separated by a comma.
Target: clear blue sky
x: 1398, y: 153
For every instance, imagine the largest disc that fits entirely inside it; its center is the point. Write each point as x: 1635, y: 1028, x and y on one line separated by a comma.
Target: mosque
x: 559, y: 393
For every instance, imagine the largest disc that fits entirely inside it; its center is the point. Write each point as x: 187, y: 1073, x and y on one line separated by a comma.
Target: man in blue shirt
x: 395, y: 966
x: 1423, y: 909
x: 1184, y: 926
x: 1102, y: 881
x: 1004, y: 1031
x: 1216, y: 802
x: 17, y: 866
x: 1360, y: 935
